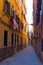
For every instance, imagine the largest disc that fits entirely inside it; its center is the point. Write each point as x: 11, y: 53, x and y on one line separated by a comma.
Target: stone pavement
x: 26, y: 56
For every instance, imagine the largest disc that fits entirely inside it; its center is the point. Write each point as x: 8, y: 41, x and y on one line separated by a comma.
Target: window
x: 17, y: 19
x: 7, y: 7
x: 23, y: 1
x: 42, y: 21
x: 38, y: 11
x: 24, y: 17
x: 12, y: 38
x: 13, y: 14
x: 21, y: 39
x: 5, y: 37
x: 25, y: 28
x: 42, y: 25
x: 37, y: 17
x: 22, y: 12
x: 25, y: 42
x: 39, y: 5
x: 19, y: 29
x: 17, y: 39
x: 25, y: 8
x: 21, y: 25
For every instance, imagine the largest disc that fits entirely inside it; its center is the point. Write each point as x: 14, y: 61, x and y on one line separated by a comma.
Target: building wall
x: 19, y: 41
x: 34, y: 20
x: 41, y: 25
x: 38, y: 31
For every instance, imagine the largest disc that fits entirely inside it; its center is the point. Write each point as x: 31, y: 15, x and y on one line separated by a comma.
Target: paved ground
x: 25, y: 57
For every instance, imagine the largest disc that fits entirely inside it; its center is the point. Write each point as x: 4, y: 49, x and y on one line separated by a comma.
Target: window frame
x: 6, y: 7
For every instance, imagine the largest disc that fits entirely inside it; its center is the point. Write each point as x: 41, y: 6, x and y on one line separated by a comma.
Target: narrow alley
x: 26, y: 56
x: 21, y: 32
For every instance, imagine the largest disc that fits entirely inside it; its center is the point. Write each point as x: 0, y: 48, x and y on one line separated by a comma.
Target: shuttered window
x: 7, y: 7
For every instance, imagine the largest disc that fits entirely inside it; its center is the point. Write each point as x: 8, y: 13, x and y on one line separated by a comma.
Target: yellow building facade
x: 13, y: 24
